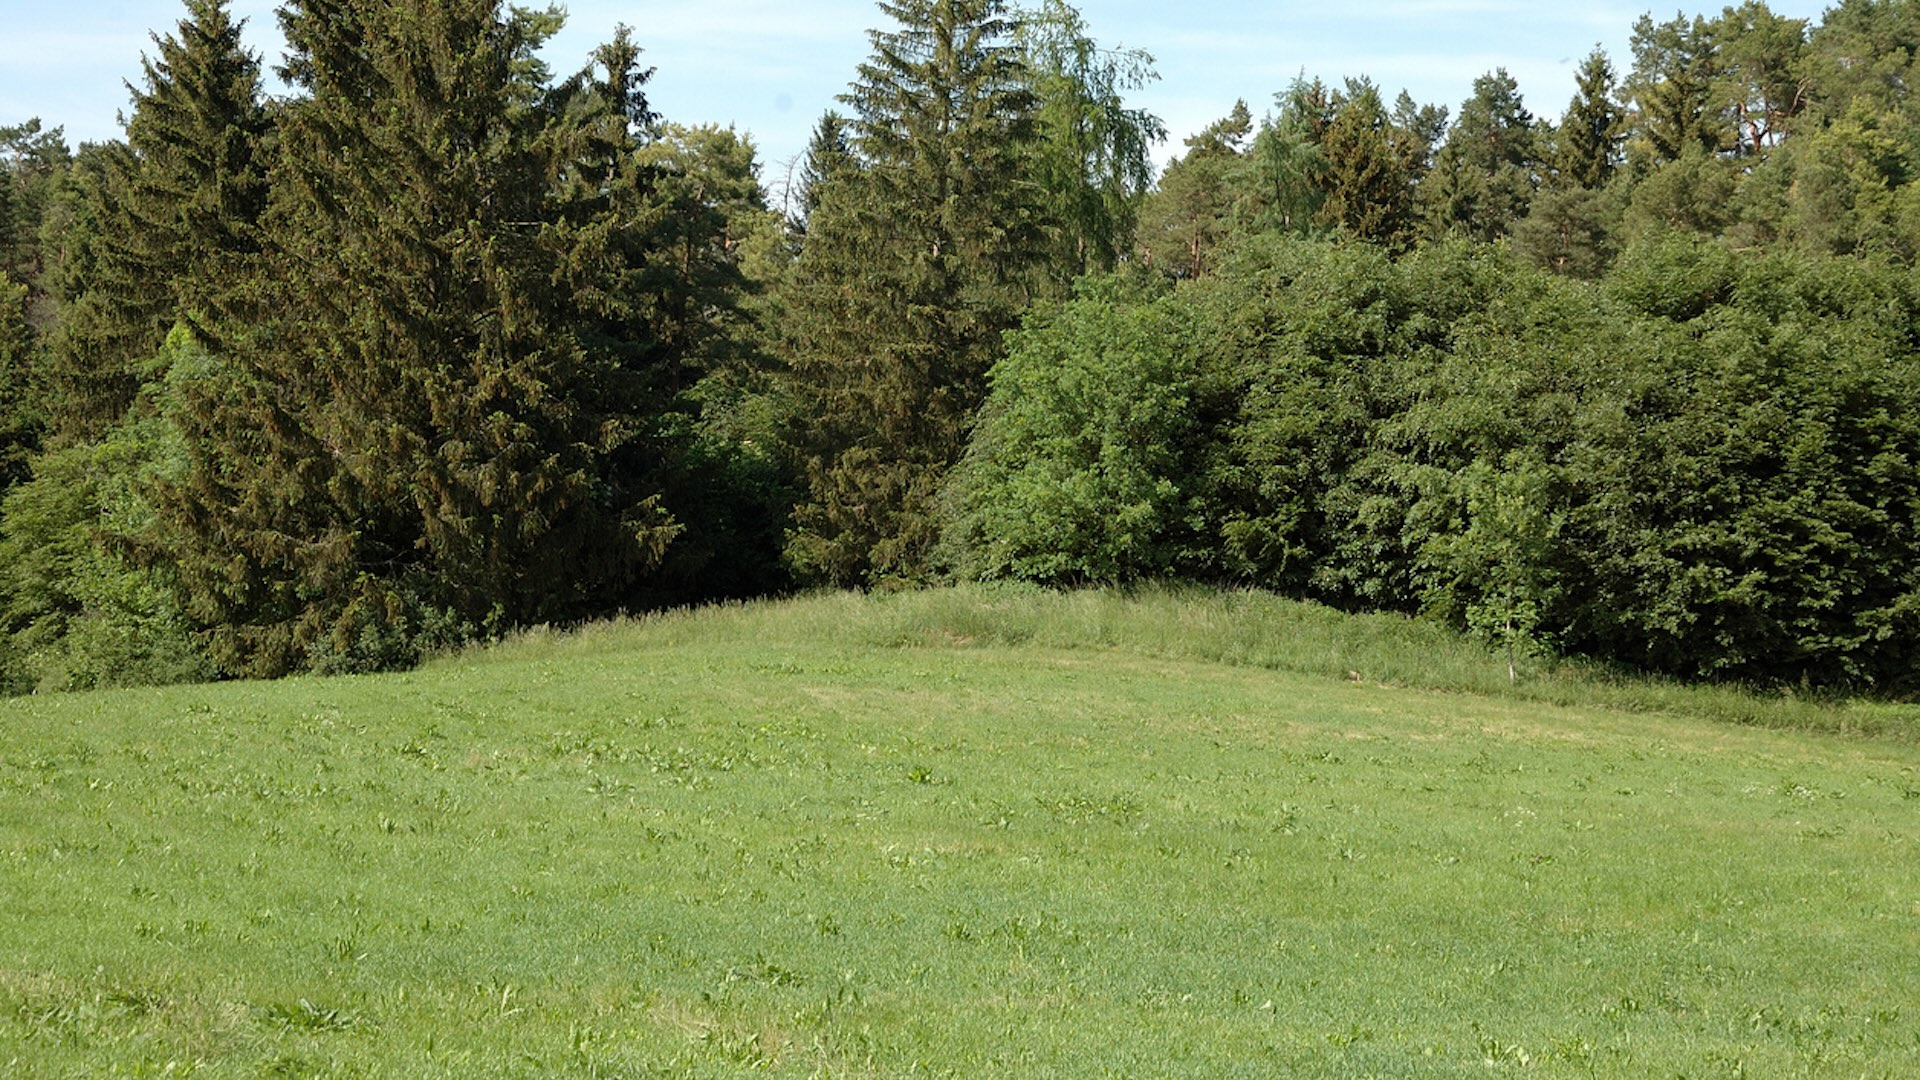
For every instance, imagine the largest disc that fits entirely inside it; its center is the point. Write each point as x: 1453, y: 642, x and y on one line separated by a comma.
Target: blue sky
x: 770, y: 67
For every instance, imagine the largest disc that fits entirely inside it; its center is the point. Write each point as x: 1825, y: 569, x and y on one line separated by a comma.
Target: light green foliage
x: 1497, y: 565
x: 1284, y: 173
x: 1093, y: 155
x: 1691, y: 194
x: 1671, y: 88
x: 1760, y: 63
x: 825, y: 838
x: 81, y: 606
x: 1695, y: 468
x: 1083, y: 465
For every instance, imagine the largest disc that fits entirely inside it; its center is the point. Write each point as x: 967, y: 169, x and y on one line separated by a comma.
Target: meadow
x: 964, y: 832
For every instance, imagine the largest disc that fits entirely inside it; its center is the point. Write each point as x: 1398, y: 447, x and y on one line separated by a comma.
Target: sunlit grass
x: 966, y: 833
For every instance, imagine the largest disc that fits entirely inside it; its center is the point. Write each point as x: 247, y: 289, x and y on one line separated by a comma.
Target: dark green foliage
x: 20, y: 420
x: 34, y: 164
x: 1590, y: 132
x: 167, y: 222
x: 443, y: 427
x: 112, y: 310
x: 1484, y: 177
x: 917, y: 257
x: 1371, y: 167
x: 827, y: 153
x: 1571, y: 231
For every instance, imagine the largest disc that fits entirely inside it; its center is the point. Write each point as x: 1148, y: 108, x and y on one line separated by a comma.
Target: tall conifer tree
x: 171, y: 219
x: 1369, y: 175
x: 1484, y: 178
x: 916, y: 260
x: 431, y: 437
x: 1590, y: 132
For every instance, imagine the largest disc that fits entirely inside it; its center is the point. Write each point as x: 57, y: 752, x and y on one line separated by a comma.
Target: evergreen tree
x: 1864, y: 54
x: 170, y: 222
x: 20, y: 419
x: 828, y: 152
x: 1484, y: 179
x: 1671, y: 86
x: 34, y: 171
x: 1571, y: 231
x: 443, y: 428
x: 1759, y: 62
x: 34, y: 168
x: 1192, y: 212
x: 915, y: 263
x: 1370, y: 171
x: 1590, y: 132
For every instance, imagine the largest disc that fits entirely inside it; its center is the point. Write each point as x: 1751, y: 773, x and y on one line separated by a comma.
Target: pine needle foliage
x: 170, y: 220
x: 422, y: 442
x: 920, y: 252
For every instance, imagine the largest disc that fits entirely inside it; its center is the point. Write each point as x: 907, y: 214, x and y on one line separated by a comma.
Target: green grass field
x: 961, y: 833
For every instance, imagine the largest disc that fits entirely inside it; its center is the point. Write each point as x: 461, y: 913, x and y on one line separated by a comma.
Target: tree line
x: 440, y: 343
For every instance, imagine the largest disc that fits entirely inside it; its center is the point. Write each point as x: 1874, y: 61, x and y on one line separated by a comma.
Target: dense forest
x: 440, y: 342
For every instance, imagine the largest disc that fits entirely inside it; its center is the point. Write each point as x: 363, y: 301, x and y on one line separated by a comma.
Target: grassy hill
x: 960, y: 833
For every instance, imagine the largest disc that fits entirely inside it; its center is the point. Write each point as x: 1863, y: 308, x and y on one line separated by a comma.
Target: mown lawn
x: 859, y: 837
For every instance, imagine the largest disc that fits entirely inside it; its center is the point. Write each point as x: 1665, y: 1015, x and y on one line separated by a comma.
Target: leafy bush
x: 80, y: 613
x: 1084, y: 465
x: 1703, y: 466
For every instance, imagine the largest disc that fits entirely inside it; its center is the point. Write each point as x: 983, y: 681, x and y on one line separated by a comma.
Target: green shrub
x: 1084, y: 465
x: 1703, y: 466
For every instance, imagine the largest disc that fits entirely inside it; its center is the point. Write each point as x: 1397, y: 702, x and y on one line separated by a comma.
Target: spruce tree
x: 1590, y: 132
x: 1369, y: 176
x: 1484, y: 178
x: 916, y: 260
x: 1672, y: 84
x: 438, y: 431
x: 170, y: 219
x: 828, y: 151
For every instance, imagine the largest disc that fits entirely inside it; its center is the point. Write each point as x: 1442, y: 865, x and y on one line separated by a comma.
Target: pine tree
x: 1192, y: 211
x: 171, y: 219
x: 1590, y: 132
x: 916, y: 260
x: 439, y: 431
x: 1486, y: 172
